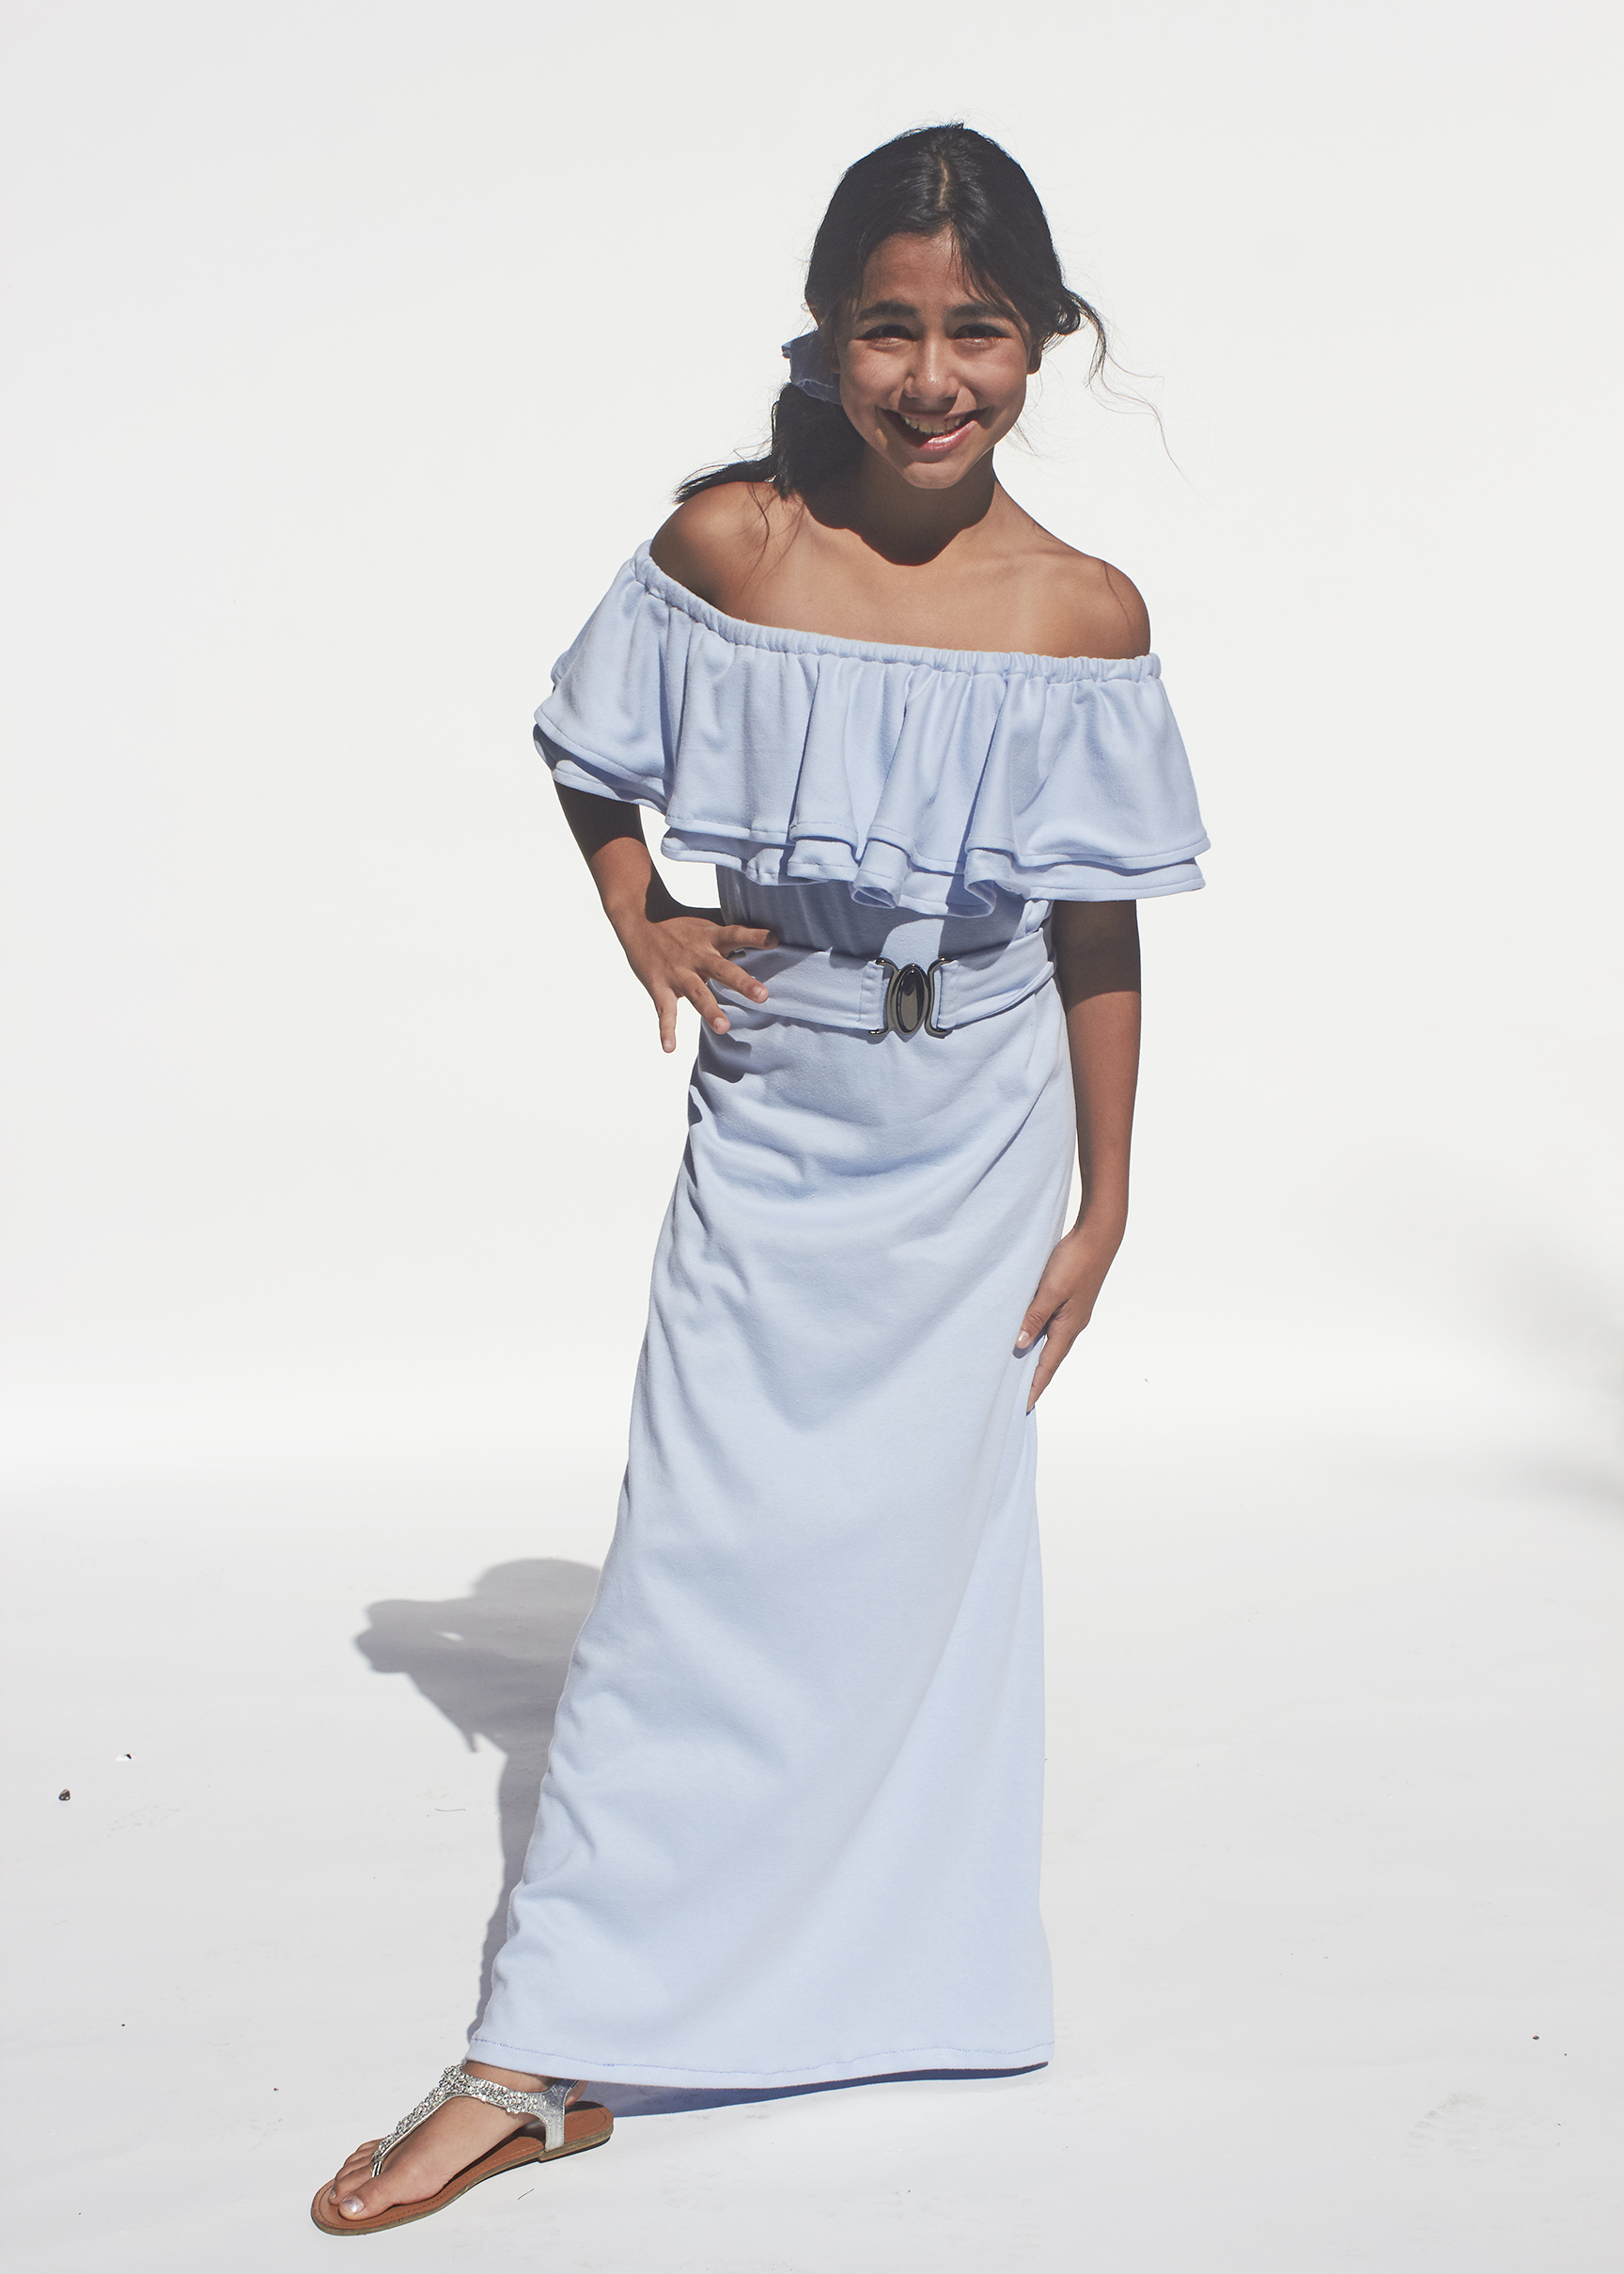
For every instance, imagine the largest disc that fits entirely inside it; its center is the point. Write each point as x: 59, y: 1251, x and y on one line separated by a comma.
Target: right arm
x: 717, y: 544
x: 676, y: 952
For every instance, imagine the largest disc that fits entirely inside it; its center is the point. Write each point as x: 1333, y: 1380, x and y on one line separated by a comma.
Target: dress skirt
x: 790, y: 1826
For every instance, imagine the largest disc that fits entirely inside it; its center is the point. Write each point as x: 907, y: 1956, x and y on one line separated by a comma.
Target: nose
x: 932, y: 383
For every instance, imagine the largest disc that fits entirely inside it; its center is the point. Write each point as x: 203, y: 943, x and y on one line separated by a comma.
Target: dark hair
x: 938, y: 178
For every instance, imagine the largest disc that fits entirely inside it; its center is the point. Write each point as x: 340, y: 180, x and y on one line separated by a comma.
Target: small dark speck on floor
x: 64, y: 1794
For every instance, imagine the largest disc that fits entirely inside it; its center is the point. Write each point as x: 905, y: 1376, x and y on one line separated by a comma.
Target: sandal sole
x: 507, y: 2156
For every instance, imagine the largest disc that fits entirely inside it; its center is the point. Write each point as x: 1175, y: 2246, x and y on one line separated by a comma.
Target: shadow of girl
x: 493, y: 1663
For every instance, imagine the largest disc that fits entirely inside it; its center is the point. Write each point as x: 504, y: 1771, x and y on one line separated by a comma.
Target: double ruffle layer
x: 920, y: 777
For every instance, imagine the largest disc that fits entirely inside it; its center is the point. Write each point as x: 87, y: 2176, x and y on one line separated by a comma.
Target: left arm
x: 1097, y: 964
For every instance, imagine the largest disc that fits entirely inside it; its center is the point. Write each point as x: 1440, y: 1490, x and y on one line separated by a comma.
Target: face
x: 932, y: 375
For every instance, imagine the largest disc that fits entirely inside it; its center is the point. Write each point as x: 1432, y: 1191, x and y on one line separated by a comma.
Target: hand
x: 1067, y: 1293
x: 679, y: 957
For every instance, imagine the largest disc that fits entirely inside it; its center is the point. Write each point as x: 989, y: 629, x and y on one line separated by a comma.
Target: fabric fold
x: 928, y: 780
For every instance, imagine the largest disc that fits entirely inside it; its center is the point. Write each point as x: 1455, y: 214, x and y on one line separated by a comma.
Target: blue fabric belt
x: 826, y: 987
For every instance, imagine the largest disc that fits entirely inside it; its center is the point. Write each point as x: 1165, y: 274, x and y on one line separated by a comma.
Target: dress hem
x: 903, y: 2062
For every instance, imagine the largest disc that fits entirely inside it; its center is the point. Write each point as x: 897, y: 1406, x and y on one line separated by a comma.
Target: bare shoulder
x: 1087, y: 607
x: 714, y: 542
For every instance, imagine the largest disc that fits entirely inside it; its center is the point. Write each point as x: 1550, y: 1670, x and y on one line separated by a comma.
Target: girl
x: 790, y: 1828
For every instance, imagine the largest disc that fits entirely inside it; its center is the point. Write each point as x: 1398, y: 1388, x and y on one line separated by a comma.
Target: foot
x: 447, y: 2142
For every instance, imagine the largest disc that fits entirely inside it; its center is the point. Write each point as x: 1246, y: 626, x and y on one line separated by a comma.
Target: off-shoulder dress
x: 790, y: 1830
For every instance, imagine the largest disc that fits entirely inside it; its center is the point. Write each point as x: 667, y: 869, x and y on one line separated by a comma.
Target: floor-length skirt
x: 790, y: 1825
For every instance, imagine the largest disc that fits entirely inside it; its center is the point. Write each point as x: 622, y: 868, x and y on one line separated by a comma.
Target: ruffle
x: 923, y: 779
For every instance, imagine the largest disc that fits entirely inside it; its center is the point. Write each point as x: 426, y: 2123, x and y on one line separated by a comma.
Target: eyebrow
x: 906, y: 307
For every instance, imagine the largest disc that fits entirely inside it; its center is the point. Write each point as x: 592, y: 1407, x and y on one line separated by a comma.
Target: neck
x: 910, y: 525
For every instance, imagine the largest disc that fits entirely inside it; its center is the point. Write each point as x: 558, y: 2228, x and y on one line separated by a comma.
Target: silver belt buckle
x: 910, y: 998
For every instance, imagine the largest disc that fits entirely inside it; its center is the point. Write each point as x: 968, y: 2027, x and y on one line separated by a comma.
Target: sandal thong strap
x: 547, y: 2106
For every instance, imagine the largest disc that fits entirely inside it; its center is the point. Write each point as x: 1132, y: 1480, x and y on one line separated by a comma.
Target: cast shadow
x: 668, y: 2100
x: 494, y: 1662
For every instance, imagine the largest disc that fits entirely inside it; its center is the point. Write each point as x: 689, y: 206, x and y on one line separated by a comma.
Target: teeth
x: 946, y: 426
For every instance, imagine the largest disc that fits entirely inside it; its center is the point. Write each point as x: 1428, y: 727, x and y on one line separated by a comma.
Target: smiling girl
x: 790, y: 1828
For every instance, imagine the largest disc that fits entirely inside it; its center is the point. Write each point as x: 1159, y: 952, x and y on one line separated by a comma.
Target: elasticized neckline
x: 775, y: 636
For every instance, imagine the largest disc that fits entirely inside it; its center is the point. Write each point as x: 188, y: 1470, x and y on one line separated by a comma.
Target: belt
x: 826, y: 987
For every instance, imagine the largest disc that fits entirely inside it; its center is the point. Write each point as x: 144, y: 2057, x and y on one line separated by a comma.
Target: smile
x: 934, y: 437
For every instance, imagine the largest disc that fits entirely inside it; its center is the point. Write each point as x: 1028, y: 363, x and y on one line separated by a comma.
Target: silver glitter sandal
x: 566, y: 2127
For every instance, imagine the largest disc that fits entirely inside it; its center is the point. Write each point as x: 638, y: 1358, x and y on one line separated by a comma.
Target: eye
x: 887, y: 331
x: 982, y: 331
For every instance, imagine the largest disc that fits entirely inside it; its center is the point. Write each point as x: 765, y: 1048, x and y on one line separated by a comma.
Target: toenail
x: 351, y: 2206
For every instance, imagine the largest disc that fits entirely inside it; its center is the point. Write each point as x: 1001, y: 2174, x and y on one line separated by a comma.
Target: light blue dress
x: 790, y: 1825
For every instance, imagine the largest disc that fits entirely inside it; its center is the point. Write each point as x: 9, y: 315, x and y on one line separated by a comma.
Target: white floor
x: 1334, y: 1870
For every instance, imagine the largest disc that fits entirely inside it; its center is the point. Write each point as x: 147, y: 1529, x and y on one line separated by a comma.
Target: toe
x: 352, y: 2171
x: 357, y: 2195
x: 359, y: 2199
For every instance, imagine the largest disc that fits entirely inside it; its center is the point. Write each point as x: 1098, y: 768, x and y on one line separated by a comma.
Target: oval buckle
x: 907, y: 1000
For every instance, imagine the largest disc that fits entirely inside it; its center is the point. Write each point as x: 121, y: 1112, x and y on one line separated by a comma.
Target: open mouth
x: 933, y: 437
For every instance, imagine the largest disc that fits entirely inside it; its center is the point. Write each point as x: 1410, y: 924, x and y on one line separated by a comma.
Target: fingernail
x: 351, y: 2206
x: 760, y: 994
x: 1021, y: 1338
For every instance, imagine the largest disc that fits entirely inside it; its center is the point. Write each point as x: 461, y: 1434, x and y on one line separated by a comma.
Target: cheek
x: 862, y: 386
x: 1005, y: 388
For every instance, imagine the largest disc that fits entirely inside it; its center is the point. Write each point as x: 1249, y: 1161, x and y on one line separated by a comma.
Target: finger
x: 741, y: 935
x: 709, y: 1010
x: 1057, y: 1343
x: 1038, y: 1312
x: 740, y: 981
x: 665, y: 1004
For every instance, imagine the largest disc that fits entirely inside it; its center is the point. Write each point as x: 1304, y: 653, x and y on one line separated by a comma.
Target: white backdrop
x: 353, y: 346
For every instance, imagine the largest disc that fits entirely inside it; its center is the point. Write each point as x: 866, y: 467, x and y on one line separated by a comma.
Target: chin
x: 946, y: 477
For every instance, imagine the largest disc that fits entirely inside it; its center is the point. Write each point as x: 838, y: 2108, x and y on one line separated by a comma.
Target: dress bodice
x: 941, y: 782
